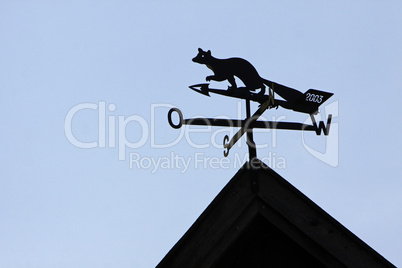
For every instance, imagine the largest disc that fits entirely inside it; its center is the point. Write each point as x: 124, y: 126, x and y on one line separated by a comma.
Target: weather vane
x: 228, y: 69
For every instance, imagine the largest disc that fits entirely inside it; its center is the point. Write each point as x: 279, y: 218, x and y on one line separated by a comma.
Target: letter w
x: 321, y: 125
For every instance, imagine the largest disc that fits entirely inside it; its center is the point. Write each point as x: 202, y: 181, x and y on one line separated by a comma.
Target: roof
x: 260, y: 219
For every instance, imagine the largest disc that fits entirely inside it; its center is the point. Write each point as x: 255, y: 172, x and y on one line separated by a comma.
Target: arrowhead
x: 201, y: 88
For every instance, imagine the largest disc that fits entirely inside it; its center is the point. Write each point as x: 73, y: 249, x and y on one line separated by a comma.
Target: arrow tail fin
x: 313, y: 98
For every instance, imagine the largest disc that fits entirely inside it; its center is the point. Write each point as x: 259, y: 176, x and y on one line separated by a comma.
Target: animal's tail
x: 288, y: 93
x: 297, y: 101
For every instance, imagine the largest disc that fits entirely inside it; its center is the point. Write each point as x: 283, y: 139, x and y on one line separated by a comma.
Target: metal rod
x: 250, y: 139
x: 240, y: 123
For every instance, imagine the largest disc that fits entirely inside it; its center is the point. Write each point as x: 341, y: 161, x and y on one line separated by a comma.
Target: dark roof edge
x: 193, y: 228
x: 259, y: 166
x: 327, y: 216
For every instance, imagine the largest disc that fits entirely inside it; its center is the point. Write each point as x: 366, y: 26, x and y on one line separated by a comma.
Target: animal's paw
x: 208, y: 78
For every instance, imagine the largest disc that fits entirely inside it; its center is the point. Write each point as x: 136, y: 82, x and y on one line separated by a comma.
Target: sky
x: 92, y: 174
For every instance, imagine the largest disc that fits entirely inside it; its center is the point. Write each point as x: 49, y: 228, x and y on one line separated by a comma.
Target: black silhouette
x: 227, y: 69
x: 307, y: 102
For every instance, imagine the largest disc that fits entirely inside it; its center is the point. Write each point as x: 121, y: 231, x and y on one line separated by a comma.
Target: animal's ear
x: 209, y: 52
x: 200, y: 50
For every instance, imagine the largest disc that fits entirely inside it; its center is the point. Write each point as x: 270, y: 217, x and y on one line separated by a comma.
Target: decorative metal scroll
x: 227, y: 69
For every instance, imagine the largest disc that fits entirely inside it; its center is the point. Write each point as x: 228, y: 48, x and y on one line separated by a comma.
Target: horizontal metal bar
x: 240, y: 123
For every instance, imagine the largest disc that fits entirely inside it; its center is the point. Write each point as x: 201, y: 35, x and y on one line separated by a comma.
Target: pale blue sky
x: 63, y: 206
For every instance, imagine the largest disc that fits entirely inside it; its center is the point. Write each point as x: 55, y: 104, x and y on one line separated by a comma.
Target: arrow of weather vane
x: 227, y: 69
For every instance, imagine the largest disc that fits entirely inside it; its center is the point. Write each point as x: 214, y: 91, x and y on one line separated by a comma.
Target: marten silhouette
x: 227, y: 69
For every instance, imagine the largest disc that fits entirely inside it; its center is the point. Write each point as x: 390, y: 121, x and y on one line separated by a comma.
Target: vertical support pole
x: 252, y: 151
x: 250, y: 140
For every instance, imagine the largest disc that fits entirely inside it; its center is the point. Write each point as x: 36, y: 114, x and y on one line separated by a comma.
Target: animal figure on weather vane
x: 228, y: 69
